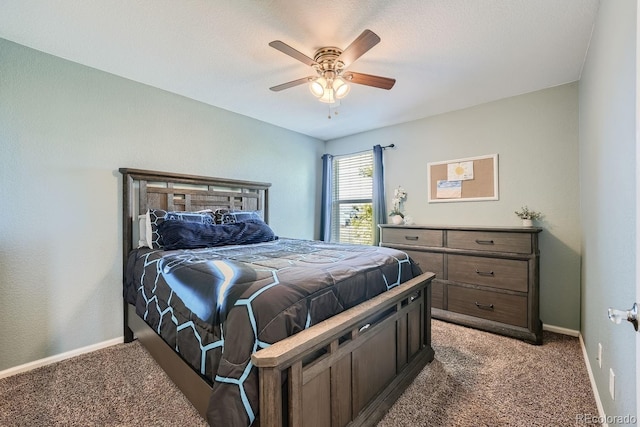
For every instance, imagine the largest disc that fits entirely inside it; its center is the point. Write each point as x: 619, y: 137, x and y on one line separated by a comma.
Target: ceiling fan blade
x: 288, y: 50
x: 293, y: 83
x: 369, y: 80
x: 359, y: 47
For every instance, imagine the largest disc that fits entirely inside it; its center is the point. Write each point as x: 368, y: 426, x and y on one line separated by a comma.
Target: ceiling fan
x: 330, y: 64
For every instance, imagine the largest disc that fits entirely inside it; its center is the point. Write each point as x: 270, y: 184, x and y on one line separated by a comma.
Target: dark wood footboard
x: 351, y: 367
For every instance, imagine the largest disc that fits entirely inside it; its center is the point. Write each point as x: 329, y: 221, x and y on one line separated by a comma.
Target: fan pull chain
x: 335, y: 113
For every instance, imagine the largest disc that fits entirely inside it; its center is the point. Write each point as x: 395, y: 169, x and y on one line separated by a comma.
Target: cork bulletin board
x: 463, y: 180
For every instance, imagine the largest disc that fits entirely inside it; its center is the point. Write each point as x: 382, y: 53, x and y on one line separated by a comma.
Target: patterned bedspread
x: 217, y: 306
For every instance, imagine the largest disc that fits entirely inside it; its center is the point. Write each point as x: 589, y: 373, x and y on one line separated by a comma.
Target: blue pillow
x: 193, y: 235
x: 231, y: 217
x: 155, y: 217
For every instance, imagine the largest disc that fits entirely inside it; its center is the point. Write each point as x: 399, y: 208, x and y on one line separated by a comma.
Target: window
x: 352, y: 216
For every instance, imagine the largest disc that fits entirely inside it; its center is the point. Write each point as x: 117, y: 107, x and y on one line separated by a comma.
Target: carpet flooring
x: 476, y: 379
x: 481, y: 379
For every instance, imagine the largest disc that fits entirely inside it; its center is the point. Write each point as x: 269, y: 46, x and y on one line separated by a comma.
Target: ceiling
x: 444, y: 54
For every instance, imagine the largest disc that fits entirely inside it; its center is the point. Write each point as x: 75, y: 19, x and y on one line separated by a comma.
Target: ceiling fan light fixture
x: 329, y: 90
x: 331, y: 82
x: 329, y: 96
x: 317, y: 87
x: 341, y: 88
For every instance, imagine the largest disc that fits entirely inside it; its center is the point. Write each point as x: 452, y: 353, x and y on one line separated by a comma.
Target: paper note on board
x: 459, y: 171
x: 449, y: 189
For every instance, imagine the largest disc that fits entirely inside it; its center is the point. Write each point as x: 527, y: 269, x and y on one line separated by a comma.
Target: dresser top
x: 511, y: 229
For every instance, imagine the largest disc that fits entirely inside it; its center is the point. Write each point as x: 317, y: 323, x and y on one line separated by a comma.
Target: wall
x: 608, y: 173
x: 65, y: 129
x: 536, y: 138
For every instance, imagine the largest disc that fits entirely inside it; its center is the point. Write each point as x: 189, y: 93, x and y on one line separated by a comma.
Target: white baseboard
x: 574, y: 333
x: 59, y: 357
x: 560, y: 330
x: 593, y: 383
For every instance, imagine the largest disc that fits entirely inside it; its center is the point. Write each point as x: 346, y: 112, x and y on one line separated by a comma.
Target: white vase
x: 397, y: 219
x: 527, y: 223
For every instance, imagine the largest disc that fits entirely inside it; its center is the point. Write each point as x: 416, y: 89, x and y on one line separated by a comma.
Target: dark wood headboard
x: 143, y: 189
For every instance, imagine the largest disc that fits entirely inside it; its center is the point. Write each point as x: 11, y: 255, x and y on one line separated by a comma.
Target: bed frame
x: 347, y: 370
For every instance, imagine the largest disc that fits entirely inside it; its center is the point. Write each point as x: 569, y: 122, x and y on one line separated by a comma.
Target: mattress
x: 217, y: 306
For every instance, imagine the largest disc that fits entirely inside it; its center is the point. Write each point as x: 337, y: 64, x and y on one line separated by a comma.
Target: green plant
x: 526, y: 213
x: 361, y: 221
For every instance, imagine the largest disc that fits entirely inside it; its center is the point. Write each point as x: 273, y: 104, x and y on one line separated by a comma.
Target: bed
x: 259, y: 329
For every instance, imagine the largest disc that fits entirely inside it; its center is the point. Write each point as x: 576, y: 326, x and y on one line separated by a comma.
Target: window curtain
x: 379, y: 208
x: 327, y: 188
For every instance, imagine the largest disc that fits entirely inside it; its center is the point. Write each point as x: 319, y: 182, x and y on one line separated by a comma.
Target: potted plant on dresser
x: 527, y: 216
x: 396, y: 214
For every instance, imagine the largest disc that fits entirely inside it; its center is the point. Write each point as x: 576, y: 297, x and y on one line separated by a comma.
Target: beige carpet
x: 477, y: 379
x: 481, y: 379
x: 117, y: 386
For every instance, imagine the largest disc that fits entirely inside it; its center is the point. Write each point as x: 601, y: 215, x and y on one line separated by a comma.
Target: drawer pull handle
x: 484, y: 306
x: 411, y: 237
x: 364, y: 328
x: 484, y: 273
x: 484, y: 242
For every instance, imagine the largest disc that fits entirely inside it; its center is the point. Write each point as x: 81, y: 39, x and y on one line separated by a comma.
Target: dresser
x: 486, y: 277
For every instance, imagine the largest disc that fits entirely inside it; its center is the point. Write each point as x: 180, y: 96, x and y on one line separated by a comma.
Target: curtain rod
x: 364, y: 151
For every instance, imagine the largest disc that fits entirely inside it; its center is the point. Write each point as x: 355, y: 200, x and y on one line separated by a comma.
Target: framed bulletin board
x: 463, y: 180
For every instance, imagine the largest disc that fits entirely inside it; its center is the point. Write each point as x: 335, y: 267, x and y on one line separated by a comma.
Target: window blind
x: 352, y: 216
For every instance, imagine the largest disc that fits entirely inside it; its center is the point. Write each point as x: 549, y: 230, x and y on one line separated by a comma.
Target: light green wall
x: 65, y: 129
x: 536, y: 138
x: 608, y: 176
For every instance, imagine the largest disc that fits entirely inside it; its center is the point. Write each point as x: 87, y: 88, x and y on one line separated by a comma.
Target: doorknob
x: 617, y: 316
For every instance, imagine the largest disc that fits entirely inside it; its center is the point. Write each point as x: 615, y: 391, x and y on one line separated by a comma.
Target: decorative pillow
x: 142, y: 230
x: 218, y: 213
x: 192, y: 235
x: 232, y: 217
x: 155, y: 217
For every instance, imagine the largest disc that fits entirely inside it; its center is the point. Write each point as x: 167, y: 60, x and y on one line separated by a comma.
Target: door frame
x: 637, y: 172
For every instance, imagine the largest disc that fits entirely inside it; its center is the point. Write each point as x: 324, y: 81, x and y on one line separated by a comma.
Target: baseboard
x: 601, y: 413
x: 574, y: 333
x: 59, y: 357
x: 561, y: 330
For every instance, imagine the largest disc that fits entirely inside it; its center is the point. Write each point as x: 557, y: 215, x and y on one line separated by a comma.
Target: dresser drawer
x: 428, y: 261
x: 504, y: 308
x: 490, y: 241
x: 412, y: 236
x: 495, y: 272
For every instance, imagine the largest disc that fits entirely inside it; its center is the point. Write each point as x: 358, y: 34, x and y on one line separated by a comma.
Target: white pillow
x: 144, y: 230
